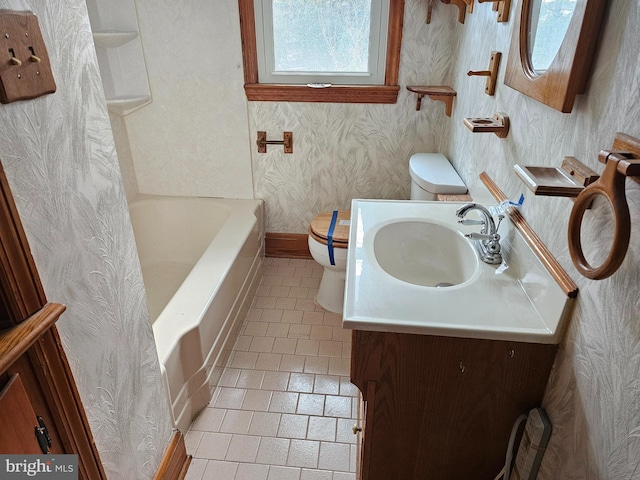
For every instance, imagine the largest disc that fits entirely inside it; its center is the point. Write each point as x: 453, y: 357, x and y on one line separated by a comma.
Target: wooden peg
x: 491, y: 74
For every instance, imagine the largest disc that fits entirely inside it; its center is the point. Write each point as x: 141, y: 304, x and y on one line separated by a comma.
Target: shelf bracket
x: 500, y: 6
x: 440, y: 93
x: 464, y: 6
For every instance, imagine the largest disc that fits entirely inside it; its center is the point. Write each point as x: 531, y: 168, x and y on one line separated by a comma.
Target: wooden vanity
x: 441, y: 408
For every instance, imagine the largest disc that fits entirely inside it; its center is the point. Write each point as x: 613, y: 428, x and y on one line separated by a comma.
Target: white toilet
x: 431, y: 174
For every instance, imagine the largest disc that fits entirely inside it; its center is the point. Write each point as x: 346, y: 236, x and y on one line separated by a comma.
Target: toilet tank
x: 431, y: 174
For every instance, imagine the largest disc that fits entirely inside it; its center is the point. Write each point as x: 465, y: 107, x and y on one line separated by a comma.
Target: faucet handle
x: 468, y: 221
x: 480, y: 236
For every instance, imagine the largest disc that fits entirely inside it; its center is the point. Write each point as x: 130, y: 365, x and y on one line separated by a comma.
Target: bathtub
x: 201, y: 261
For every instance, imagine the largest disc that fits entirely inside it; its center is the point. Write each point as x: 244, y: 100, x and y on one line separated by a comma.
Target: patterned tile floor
x: 284, y: 408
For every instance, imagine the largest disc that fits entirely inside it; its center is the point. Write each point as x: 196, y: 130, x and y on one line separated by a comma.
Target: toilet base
x: 331, y: 292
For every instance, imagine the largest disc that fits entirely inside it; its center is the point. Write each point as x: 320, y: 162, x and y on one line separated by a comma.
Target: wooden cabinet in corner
x: 442, y: 408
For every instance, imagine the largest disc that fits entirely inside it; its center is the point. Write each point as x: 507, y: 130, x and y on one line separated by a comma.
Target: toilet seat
x: 319, y: 228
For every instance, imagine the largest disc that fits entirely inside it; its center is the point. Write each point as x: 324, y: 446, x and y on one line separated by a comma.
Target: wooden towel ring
x: 611, y: 185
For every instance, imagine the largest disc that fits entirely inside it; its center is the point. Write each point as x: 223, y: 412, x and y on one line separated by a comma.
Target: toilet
x: 431, y: 174
x: 328, y: 242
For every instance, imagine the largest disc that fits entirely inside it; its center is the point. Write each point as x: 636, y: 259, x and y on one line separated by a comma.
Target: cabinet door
x: 18, y: 421
x: 441, y: 408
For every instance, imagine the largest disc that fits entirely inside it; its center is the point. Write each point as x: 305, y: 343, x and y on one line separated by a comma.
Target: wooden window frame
x: 262, y: 92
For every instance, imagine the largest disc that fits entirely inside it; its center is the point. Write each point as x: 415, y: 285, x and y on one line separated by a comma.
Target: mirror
x: 548, y: 24
x: 552, y: 47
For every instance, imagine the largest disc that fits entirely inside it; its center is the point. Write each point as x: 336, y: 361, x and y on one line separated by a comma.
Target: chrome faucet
x: 487, y: 242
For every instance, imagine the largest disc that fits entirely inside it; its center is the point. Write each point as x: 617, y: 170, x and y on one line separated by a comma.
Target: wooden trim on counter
x: 286, y: 245
x: 175, y: 461
x: 537, y: 245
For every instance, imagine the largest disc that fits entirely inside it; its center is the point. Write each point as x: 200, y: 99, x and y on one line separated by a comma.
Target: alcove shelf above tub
x: 442, y: 93
x: 120, y: 55
x: 128, y: 103
x: 113, y: 38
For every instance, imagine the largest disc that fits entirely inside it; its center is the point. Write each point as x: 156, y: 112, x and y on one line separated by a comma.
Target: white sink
x: 425, y: 253
x: 401, y: 252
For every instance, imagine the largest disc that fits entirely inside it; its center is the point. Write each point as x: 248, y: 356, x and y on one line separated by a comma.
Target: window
x: 290, y: 47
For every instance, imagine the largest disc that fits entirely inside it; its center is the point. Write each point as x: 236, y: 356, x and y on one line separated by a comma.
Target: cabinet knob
x: 356, y: 429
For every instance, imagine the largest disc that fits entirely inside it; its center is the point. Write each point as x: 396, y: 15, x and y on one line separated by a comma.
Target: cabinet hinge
x: 42, y: 434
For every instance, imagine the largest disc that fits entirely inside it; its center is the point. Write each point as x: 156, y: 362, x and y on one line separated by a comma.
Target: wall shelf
x: 120, y: 55
x: 113, y: 38
x: 441, y: 93
x: 126, y: 105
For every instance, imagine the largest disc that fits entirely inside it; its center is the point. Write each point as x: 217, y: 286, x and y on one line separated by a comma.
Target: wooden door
x: 18, y: 420
x: 31, y: 348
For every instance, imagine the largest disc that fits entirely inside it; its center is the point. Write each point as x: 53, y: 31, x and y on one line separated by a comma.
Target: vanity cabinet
x: 442, y: 408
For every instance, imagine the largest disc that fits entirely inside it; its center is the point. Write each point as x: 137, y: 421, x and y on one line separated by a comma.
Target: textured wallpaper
x: 59, y: 155
x: 345, y: 151
x: 592, y: 397
x: 197, y: 137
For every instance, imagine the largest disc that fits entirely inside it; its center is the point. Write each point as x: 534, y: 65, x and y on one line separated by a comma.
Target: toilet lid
x: 319, y: 228
x: 434, y: 173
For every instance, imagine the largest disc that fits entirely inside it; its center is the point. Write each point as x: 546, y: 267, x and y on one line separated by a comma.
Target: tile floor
x: 284, y: 408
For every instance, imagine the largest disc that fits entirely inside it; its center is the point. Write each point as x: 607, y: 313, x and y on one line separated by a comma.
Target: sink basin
x: 425, y: 253
x: 401, y: 251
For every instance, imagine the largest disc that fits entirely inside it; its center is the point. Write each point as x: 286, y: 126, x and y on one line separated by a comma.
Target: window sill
x: 335, y: 94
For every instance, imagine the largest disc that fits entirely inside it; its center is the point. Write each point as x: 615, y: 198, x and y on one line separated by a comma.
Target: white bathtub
x: 201, y: 261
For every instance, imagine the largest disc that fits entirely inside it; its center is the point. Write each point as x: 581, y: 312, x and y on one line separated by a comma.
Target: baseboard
x: 286, y: 245
x: 175, y: 461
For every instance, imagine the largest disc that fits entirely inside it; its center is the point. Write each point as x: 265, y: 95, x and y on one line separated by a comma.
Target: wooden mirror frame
x: 567, y: 75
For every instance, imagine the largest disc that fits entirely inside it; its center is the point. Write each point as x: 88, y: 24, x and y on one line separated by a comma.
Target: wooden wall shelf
x: 441, y: 93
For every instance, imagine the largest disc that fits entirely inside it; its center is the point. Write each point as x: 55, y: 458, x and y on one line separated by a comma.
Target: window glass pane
x: 321, y: 35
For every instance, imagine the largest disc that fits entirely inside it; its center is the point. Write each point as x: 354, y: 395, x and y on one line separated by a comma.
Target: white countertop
x: 521, y: 303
